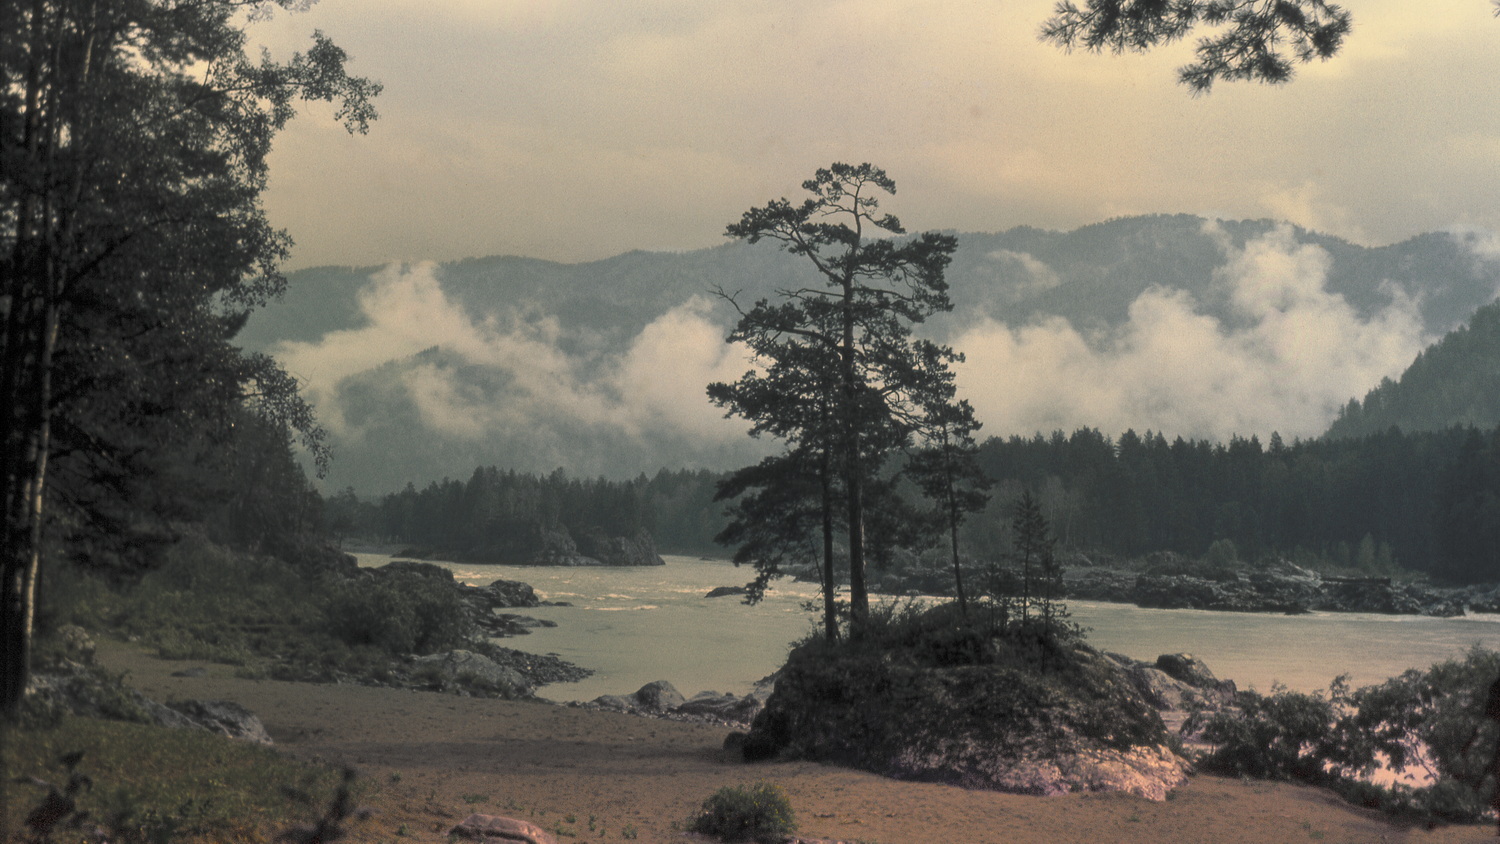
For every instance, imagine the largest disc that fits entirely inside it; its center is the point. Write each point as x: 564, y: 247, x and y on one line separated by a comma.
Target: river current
x: 633, y: 625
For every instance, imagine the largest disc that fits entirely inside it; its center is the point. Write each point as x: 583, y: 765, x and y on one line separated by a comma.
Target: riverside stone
x: 460, y: 663
x: 658, y: 696
x: 507, y: 594
x: 494, y: 828
x: 224, y: 717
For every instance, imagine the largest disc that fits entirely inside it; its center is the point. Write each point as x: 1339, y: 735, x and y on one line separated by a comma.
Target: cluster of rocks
x: 660, y: 699
x: 1177, y: 685
x: 1170, y: 581
x: 69, y: 682
x: 494, y: 670
x: 484, y: 603
x: 555, y: 545
x: 1285, y: 588
x: 485, y: 667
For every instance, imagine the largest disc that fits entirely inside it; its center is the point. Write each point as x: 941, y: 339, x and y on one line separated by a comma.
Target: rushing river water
x: 639, y: 624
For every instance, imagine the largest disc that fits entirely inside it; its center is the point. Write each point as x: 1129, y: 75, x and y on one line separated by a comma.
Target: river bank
x: 432, y: 759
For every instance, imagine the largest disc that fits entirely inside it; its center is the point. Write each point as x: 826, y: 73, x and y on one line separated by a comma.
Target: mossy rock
x: 943, y: 703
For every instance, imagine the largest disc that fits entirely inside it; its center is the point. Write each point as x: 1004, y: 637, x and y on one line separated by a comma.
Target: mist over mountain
x: 1174, y: 323
x: 1455, y: 381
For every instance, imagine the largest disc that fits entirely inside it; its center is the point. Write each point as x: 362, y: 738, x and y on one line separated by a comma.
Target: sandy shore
x: 433, y: 759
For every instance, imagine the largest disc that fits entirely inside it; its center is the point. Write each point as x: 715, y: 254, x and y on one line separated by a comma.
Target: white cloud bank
x: 1293, y: 356
x: 1286, y: 359
x: 655, y: 390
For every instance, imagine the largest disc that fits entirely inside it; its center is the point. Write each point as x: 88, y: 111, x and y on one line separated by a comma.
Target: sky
x: 573, y: 130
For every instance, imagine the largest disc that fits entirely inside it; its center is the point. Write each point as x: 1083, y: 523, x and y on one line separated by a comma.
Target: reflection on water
x: 636, y: 625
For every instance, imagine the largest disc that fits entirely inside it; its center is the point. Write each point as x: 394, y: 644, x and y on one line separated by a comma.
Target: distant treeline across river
x: 1427, y: 501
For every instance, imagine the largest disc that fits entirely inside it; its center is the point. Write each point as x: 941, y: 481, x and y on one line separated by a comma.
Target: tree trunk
x: 29, y: 422
x: 830, y: 603
x: 958, y: 572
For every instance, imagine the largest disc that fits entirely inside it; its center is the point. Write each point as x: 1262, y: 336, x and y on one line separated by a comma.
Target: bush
x: 1432, y: 720
x: 1281, y: 736
x: 760, y: 812
x: 399, y: 614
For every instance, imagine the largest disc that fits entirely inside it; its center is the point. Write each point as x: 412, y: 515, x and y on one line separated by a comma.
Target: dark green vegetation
x: 1423, y: 502
x: 133, y: 146
x: 502, y: 513
x: 1435, y: 723
x: 1415, y: 500
x: 760, y: 812
x: 317, y: 618
x: 1258, y: 40
x: 930, y: 694
x: 1456, y: 381
x: 146, y: 784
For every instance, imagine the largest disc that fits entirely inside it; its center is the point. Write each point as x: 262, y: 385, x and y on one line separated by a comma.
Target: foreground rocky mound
x: 1025, y: 710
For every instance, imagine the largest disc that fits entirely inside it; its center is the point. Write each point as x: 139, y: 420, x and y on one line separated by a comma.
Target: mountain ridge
x: 592, y: 366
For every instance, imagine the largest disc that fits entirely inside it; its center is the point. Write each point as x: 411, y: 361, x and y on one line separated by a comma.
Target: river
x: 633, y: 625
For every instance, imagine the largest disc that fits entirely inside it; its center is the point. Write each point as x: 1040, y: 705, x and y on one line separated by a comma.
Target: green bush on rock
x: 925, y: 696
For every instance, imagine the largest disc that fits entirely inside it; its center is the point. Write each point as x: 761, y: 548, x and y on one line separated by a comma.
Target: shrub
x: 759, y: 812
x: 1281, y: 736
x: 1433, y: 720
x: 399, y: 614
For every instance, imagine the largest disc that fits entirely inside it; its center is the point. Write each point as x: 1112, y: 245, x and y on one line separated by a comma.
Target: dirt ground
x: 431, y: 759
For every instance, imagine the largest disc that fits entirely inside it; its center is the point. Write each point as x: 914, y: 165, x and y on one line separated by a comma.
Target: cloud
x: 508, y: 379
x: 1292, y: 356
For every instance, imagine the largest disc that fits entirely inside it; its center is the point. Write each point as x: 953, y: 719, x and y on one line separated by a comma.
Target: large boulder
x: 636, y: 550
x: 658, y: 696
x: 224, y: 717
x: 506, y: 594
x: 416, y: 567
x: 725, y: 708
x: 554, y: 546
x: 495, y: 828
x: 468, y: 667
x: 1187, y: 668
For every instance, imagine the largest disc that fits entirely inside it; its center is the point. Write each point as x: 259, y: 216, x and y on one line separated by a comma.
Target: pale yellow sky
x: 578, y: 129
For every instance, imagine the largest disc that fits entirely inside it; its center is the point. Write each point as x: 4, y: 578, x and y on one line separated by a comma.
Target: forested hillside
x: 1456, y: 381
x: 1366, y: 502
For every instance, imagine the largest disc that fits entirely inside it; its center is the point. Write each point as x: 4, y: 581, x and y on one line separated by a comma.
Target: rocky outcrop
x: 725, y: 591
x: 496, y: 829
x: 472, y: 669
x: 1283, y: 589
x: 485, y: 603
x: 416, y: 567
x: 224, y: 717
x: 538, y: 544
x: 660, y: 699
x: 636, y: 550
x: 507, y: 594
x: 68, y: 682
x: 1003, y: 714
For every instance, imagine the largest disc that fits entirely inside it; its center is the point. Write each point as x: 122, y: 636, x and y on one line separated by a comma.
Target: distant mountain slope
x: 422, y: 371
x: 1088, y: 276
x: 1456, y: 381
